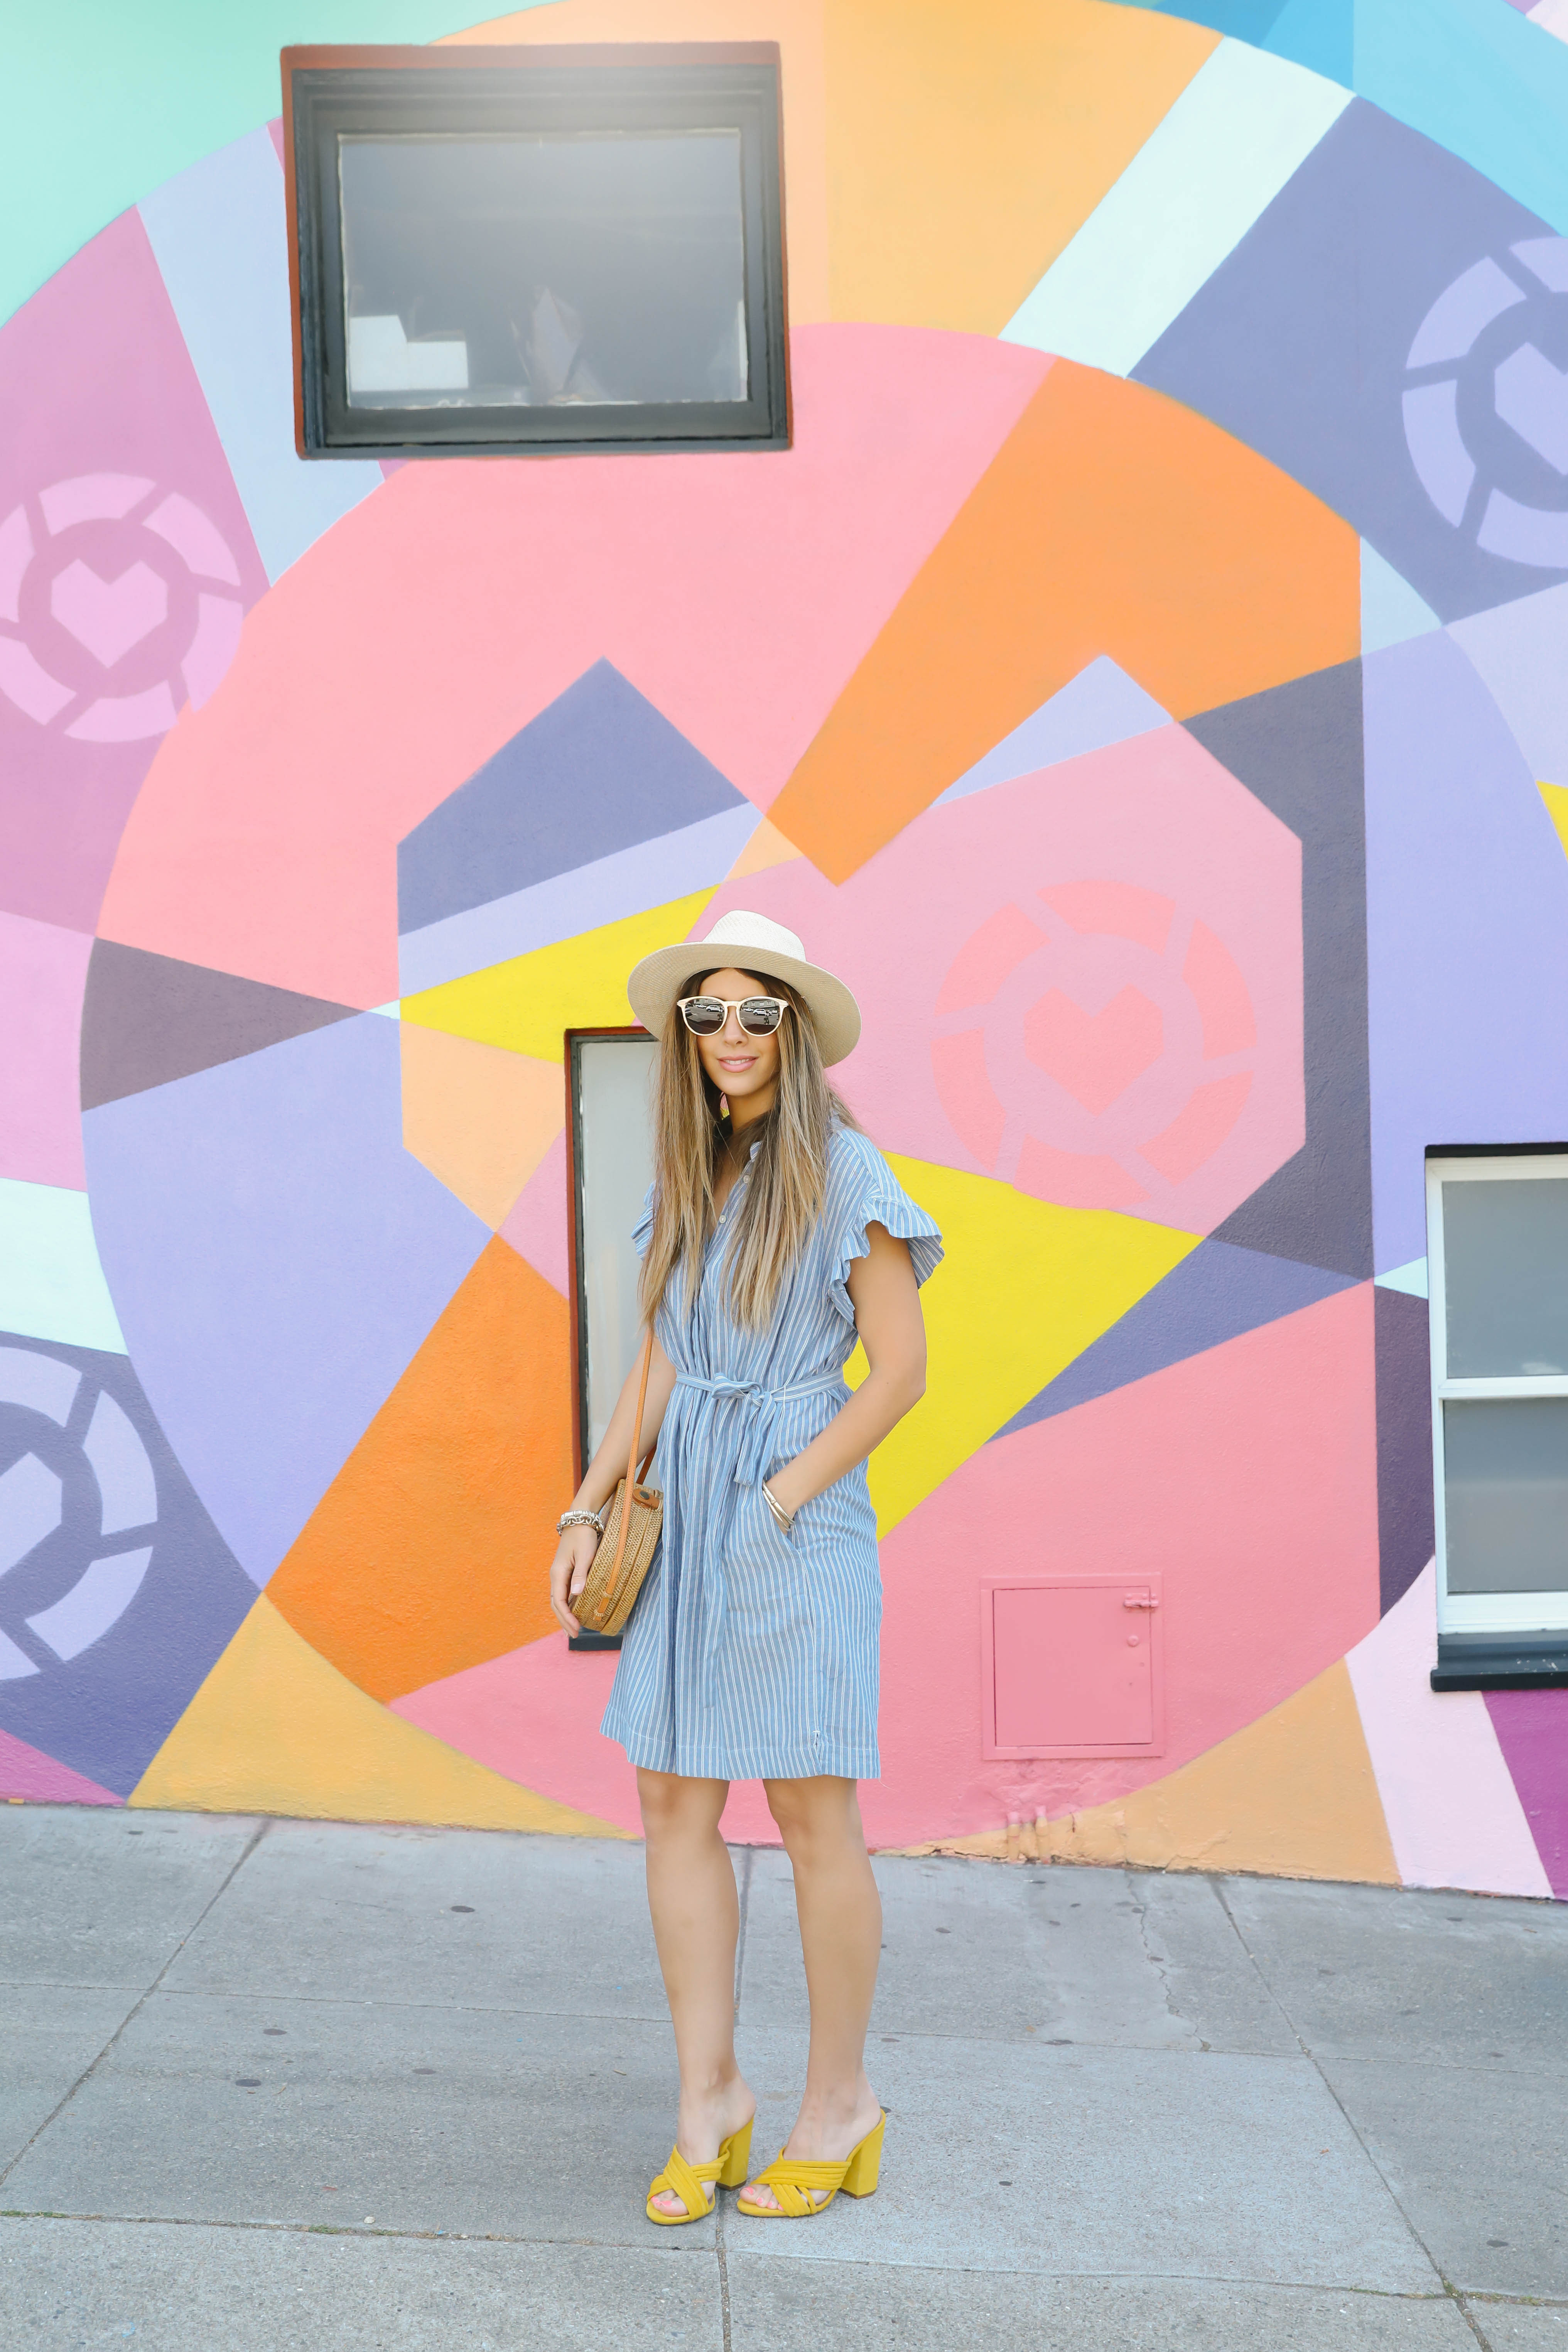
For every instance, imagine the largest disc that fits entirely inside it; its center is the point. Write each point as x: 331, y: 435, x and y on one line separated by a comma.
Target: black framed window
x: 497, y: 251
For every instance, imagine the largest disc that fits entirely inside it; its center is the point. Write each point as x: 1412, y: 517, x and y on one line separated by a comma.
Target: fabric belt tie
x: 763, y: 1406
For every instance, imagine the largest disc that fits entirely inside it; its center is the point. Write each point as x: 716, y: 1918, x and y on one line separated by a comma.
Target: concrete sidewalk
x: 277, y: 2083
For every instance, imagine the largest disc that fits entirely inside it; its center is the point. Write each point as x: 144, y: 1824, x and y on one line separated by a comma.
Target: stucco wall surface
x: 1144, y: 679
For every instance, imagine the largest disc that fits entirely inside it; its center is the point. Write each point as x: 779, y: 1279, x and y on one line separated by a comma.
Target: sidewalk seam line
x: 138, y: 2006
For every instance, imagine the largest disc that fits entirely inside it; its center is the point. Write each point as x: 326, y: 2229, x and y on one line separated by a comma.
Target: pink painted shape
x: 1454, y: 1818
x: 1196, y: 1133
x: 1095, y: 1055
x: 109, y: 616
x: 1115, y: 907
x: 103, y: 408
x: 536, y: 1223
x: 274, y: 132
x: 967, y: 1094
x: 1256, y: 1495
x: 27, y: 1773
x: 420, y: 633
x: 1156, y: 817
x: 1072, y: 1667
x: 25, y: 681
x: 191, y: 535
x: 43, y: 972
x: 1221, y: 992
x: 1075, y: 1180
x: 16, y: 554
x: 126, y: 717
x: 985, y: 961
x: 533, y: 1715
x: 219, y: 620
x: 1533, y: 1732
x: 90, y: 497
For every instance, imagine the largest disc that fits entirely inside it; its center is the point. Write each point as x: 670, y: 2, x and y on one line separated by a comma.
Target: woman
x: 775, y: 1236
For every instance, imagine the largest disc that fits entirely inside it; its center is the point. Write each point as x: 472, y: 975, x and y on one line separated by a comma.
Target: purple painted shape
x: 36, y: 1778
x: 102, y: 410
x: 1445, y: 466
x: 1467, y: 931
x: 275, y: 132
x: 1297, y: 342
x: 536, y: 1224
x: 1101, y: 705
x: 43, y: 977
x: 1532, y: 396
x: 145, y: 1651
x: 1533, y: 1732
x: 1405, y: 1510
x: 109, y: 616
x: 1213, y: 1296
x: 1533, y: 535
x: 1546, y: 258
x: 1477, y: 297
x: 275, y: 1258
x: 191, y: 535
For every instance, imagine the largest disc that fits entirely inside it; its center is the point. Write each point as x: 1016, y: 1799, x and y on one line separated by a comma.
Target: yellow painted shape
x: 1024, y: 1287
x: 968, y: 144
x: 478, y: 1118
x: 275, y: 1729
x: 1556, y: 799
x: 1293, y: 1795
x: 767, y: 846
x: 794, y: 24
x: 528, y: 1004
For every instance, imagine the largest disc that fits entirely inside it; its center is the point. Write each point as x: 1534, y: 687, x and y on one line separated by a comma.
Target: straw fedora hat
x: 747, y: 942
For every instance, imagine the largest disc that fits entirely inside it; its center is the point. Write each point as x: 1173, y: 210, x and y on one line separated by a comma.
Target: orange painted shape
x: 1111, y: 520
x: 478, y: 1116
x: 966, y: 145
x: 276, y: 1729
x: 1200, y: 1127
x: 429, y: 1551
x: 794, y: 24
x: 767, y: 846
x: 1293, y: 1795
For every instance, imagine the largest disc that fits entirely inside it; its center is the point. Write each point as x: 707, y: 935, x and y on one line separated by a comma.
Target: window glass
x: 544, y: 270
x: 613, y: 1080
x: 1505, y: 1249
x: 1506, y: 1486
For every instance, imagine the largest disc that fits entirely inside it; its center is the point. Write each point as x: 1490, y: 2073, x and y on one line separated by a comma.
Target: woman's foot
x: 825, y: 2132
x: 701, y: 2128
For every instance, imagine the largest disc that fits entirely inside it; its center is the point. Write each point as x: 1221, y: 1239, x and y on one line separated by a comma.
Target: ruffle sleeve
x: 873, y: 1196
x: 643, y: 1229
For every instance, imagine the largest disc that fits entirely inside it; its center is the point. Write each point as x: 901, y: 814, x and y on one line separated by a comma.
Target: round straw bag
x: 630, y: 1538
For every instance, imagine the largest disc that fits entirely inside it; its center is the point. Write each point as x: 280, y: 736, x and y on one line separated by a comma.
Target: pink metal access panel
x: 1072, y: 1665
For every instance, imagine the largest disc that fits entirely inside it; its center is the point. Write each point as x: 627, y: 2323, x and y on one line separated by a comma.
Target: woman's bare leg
x: 696, y: 1919
x: 840, y: 1914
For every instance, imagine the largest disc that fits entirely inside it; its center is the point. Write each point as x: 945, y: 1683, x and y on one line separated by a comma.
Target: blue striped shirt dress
x: 752, y: 1654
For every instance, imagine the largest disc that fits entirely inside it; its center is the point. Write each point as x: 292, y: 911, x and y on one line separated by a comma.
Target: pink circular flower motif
x: 112, y: 609
x: 1094, y: 1043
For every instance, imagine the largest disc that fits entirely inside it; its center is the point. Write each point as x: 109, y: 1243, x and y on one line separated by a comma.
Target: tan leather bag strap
x: 632, y: 1461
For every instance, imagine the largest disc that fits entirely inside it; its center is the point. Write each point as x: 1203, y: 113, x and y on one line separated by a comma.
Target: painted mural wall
x: 1144, y: 679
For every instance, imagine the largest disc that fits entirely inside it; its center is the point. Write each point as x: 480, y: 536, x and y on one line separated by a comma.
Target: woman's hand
x: 569, y: 1572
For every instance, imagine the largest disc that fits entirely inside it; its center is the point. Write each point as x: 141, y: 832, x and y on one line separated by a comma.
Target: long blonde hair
x: 788, y: 1176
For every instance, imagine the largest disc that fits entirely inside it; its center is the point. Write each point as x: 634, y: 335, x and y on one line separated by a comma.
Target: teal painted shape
x: 1391, y: 611
x: 1317, y: 33
x: 1244, y: 20
x: 219, y: 236
x: 106, y: 100
x: 1479, y: 80
x: 1243, y: 125
x: 51, y: 1283
x: 1411, y: 1278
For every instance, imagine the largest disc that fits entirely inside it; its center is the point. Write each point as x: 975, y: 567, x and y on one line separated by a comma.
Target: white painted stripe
x: 1245, y: 122
x: 1411, y: 1278
x: 51, y: 1283
x: 648, y: 874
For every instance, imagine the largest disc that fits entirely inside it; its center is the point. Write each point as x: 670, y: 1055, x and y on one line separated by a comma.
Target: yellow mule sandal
x: 689, y: 2182
x: 792, y: 2178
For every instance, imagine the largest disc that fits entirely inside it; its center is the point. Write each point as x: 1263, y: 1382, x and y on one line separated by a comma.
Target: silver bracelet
x: 784, y: 1519
x: 580, y: 1520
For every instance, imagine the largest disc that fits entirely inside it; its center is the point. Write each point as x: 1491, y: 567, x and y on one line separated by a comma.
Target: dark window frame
x: 575, y: 1039
x: 528, y: 84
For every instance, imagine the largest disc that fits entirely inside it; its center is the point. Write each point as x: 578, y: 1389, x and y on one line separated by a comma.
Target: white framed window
x: 1497, y: 1260
x: 610, y: 1076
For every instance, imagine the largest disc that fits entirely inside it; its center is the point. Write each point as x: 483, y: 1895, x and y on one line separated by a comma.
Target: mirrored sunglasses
x: 705, y: 1015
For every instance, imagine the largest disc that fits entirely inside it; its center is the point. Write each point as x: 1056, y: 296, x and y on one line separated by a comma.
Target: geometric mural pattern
x: 1155, y: 725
